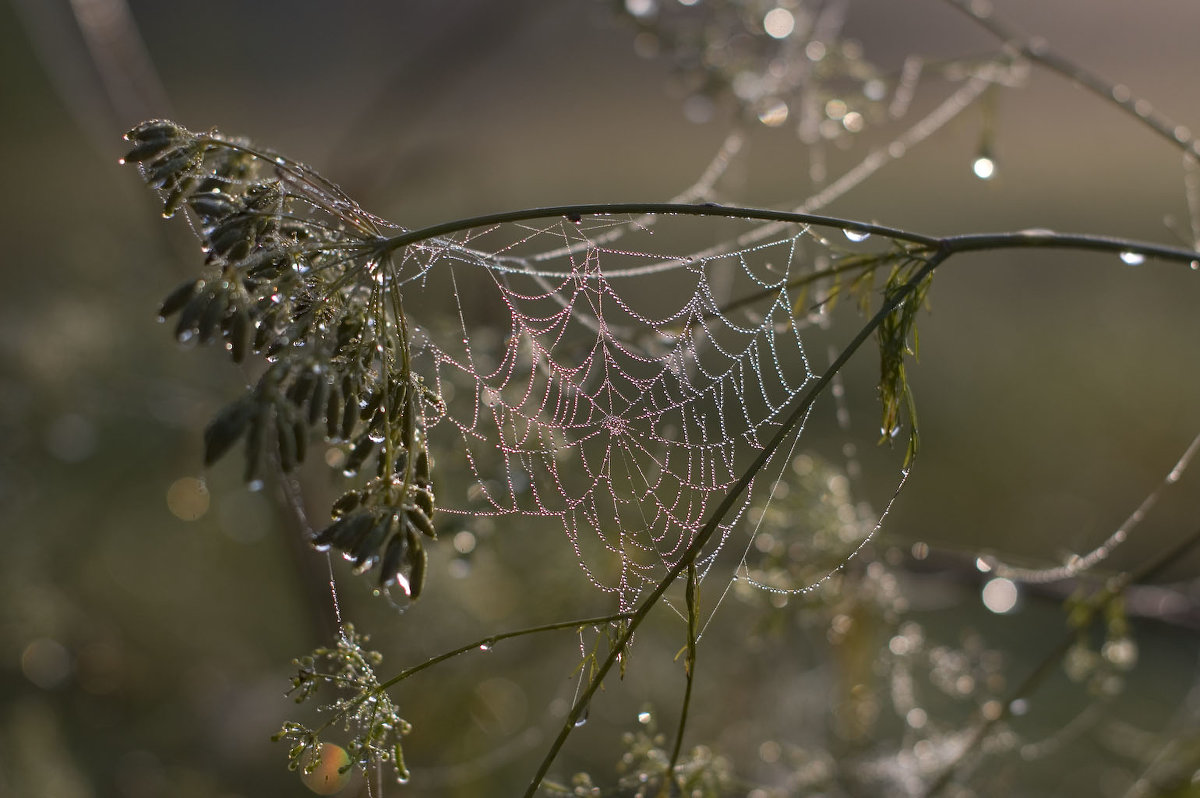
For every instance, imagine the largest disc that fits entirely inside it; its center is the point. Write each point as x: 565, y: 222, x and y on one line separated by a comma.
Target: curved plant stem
x: 482, y: 644
x: 639, y: 208
x: 924, y: 244
x: 714, y: 520
x: 490, y: 641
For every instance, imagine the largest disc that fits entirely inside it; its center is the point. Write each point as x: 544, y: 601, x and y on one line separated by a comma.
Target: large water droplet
x: 856, y: 235
x: 1133, y: 258
x: 375, y: 436
x: 984, y: 167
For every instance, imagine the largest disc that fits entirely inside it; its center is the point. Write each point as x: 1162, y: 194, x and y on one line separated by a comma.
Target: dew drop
x: 984, y: 167
x: 375, y: 436
x: 121, y: 161
x: 349, y: 472
x: 1133, y: 258
x: 254, y: 485
x: 485, y: 647
x: 643, y: 718
x: 856, y: 235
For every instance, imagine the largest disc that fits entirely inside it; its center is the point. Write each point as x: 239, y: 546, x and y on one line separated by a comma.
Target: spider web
x: 594, y: 375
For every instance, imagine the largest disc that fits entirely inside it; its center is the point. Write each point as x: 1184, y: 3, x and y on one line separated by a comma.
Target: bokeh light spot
x: 779, y: 23
x: 187, y: 498
x: 327, y: 778
x: 46, y: 663
x: 1000, y: 595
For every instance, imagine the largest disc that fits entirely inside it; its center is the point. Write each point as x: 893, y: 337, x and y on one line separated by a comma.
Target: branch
x: 490, y: 641
x: 949, y: 245
x: 1037, y: 51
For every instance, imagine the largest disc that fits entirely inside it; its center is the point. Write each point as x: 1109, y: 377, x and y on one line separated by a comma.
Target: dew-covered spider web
x: 637, y: 381
x: 595, y: 373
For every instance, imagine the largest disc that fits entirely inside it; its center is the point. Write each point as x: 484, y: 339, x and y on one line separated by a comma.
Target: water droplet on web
x: 1133, y: 258
x: 856, y: 235
x: 984, y: 167
x: 349, y: 472
x: 485, y: 647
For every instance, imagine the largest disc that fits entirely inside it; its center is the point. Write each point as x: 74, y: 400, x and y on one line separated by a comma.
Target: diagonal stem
x: 693, y: 623
x: 713, y: 523
x: 1037, y: 52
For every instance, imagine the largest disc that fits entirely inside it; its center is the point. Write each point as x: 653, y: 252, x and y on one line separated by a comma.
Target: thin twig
x: 693, y: 623
x: 488, y: 642
x: 1038, y: 51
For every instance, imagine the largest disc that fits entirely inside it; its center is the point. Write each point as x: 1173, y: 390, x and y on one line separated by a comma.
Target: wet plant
x: 657, y: 427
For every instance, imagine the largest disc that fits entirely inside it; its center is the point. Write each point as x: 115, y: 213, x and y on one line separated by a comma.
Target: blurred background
x: 151, y: 609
